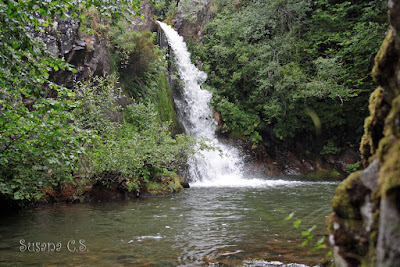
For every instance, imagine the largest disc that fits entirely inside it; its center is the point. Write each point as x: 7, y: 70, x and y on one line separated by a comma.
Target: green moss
x: 373, y: 126
x: 165, y: 105
x: 323, y: 175
x: 389, y: 177
x: 167, y: 182
x: 382, y: 149
x: 341, y: 203
x: 177, y: 183
x: 392, y: 118
x: 156, y: 188
x: 384, y: 60
x: 389, y: 152
x: 375, y: 102
x: 366, y: 146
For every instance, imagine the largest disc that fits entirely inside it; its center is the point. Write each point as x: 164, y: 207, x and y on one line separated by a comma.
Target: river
x: 200, y: 227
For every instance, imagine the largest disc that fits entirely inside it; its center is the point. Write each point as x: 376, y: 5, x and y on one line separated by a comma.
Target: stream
x: 202, y: 226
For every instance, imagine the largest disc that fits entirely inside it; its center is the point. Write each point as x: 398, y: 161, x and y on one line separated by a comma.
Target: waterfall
x: 208, y: 168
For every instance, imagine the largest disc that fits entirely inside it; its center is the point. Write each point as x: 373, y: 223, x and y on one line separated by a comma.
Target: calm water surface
x: 201, y: 226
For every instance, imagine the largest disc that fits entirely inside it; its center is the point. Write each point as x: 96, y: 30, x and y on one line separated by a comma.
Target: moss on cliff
x: 385, y: 60
x: 344, y: 202
x: 390, y: 173
x: 384, y: 73
x: 373, y: 125
x: 164, y: 105
x: 379, y: 209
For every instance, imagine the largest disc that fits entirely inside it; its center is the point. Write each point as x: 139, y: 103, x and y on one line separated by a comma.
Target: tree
x: 277, y: 59
x: 38, y: 145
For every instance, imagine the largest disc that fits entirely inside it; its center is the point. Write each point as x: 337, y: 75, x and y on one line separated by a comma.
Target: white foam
x: 238, y: 181
x: 197, y: 118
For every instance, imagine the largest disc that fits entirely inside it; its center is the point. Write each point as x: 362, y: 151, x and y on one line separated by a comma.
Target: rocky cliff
x: 89, y: 53
x: 191, y: 19
x: 365, y: 225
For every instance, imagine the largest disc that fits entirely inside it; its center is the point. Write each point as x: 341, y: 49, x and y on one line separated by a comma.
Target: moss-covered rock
x: 392, y: 122
x: 386, y: 60
x: 373, y: 125
x: 389, y: 179
x: 167, y: 182
x: 351, y: 223
x: 165, y: 105
x: 349, y: 196
x: 375, y: 240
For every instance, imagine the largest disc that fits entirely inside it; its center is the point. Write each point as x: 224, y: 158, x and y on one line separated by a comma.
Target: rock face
x: 88, y: 54
x: 365, y: 225
x: 191, y: 20
x: 275, y: 157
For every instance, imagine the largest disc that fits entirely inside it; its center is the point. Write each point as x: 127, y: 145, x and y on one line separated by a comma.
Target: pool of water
x: 200, y: 227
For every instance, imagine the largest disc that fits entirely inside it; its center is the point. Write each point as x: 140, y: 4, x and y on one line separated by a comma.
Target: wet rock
x: 349, y: 236
x: 184, y: 182
x: 349, y: 197
x: 323, y: 175
x: 279, y: 159
x: 291, y: 171
x: 272, y: 169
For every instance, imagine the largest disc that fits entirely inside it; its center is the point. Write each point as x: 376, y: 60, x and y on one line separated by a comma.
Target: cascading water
x: 209, y: 168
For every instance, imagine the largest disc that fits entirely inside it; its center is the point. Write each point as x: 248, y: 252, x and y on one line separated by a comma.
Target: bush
x: 238, y: 121
x: 134, y: 144
x: 141, y: 144
x: 330, y: 149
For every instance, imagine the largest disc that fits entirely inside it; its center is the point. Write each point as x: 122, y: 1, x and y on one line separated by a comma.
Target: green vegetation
x: 350, y: 168
x: 165, y: 8
x: 39, y: 147
x: 141, y: 66
x: 51, y: 134
x: 273, y: 63
x: 134, y: 146
x: 311, y: 239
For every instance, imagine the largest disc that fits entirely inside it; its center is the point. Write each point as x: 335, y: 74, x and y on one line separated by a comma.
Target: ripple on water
x: 199, y: 227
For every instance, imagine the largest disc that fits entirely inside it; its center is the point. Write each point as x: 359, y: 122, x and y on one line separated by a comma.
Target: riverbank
x: 83, y: 190
x: 275, y: 158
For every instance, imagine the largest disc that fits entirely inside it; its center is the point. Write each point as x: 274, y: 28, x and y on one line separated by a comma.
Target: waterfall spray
x: 208, y: 168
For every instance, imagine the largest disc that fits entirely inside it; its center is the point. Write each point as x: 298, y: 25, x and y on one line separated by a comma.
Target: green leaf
x: 296, y: 224
x: 289, y: 217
